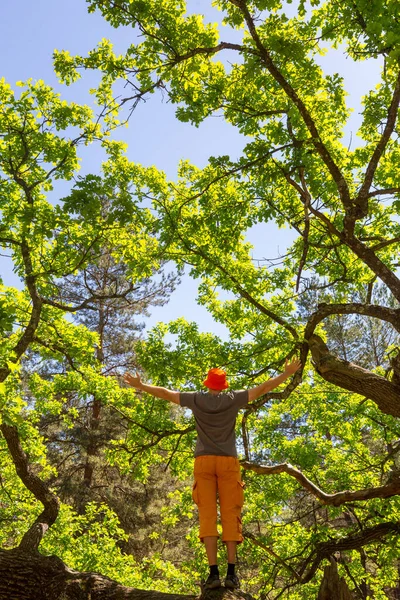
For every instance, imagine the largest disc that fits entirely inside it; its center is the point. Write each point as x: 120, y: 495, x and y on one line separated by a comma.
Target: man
x: 216, y: 467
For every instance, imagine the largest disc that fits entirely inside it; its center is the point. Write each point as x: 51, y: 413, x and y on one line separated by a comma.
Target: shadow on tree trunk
x: 333, y: 587
x: 32, y: 576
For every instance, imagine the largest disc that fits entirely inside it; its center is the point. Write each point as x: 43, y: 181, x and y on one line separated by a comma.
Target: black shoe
x: 213, y: 581
x: 232, y: 582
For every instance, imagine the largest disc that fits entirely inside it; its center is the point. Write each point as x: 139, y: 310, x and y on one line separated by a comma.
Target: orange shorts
x: 219, y: 474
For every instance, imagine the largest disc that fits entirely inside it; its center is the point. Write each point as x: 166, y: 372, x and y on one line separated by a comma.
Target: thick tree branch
x: 37, y: 304
x: 352, y: 542
x: 389, y: 191
x: 36, y: 486
x: 28, y: 576
x: 34, y: 319
x: 366, y: 254
x: 31, y: 576
x: 32, y: 482
x: 324, y: 550
x: 363, y: 252
x: 337, y: 499
x: 360, y: 206
x: 322, y: 150
x: 385, y: 244
x: 334, y: 586
x: 307, y: 202
x: 348, y: 376
x: 383, y: 313
x: 369, y: 257
x: 363, y: 194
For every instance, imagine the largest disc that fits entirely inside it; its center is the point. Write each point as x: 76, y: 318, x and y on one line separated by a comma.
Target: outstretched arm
x: 154, y: 390
x: 267, y: 386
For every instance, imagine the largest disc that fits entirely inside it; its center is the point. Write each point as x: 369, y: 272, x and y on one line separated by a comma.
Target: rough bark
x: 392, y: 488
x: 383, y: 313
x: 354, y: 541
x: 333, y: 587
x: 348, y: 376
x: 32, y: 576
x: 392, y: 116
x: 35, y: 485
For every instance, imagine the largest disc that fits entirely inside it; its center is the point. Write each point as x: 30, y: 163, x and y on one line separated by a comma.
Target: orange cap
x: 216, y: 380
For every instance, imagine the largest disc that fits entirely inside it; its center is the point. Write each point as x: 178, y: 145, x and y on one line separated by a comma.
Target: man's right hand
x: 154, y: 390
x: 292, y: 367
x: 132, y: 381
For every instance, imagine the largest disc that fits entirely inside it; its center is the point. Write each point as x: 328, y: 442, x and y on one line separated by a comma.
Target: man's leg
x: 205, y: 496
x: 230, y: 490
x: 231, y: 551
x: 231, y: 580
x: 211, y: 544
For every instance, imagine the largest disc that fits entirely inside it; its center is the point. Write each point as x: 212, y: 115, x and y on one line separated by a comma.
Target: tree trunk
x: 32, y: 576
x: 349, y: 376
x: 333, y: 587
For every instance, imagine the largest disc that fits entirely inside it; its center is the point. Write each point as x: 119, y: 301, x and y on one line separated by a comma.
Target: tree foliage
x: 321, y: 458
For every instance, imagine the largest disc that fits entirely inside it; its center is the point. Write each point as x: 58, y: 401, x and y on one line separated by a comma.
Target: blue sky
x: 30, y: 31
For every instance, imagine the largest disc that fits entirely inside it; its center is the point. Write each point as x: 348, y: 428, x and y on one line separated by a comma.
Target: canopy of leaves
x: 321, y: 459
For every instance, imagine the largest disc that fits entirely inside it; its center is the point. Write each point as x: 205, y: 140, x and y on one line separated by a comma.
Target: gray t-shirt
x: 215, y: 418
